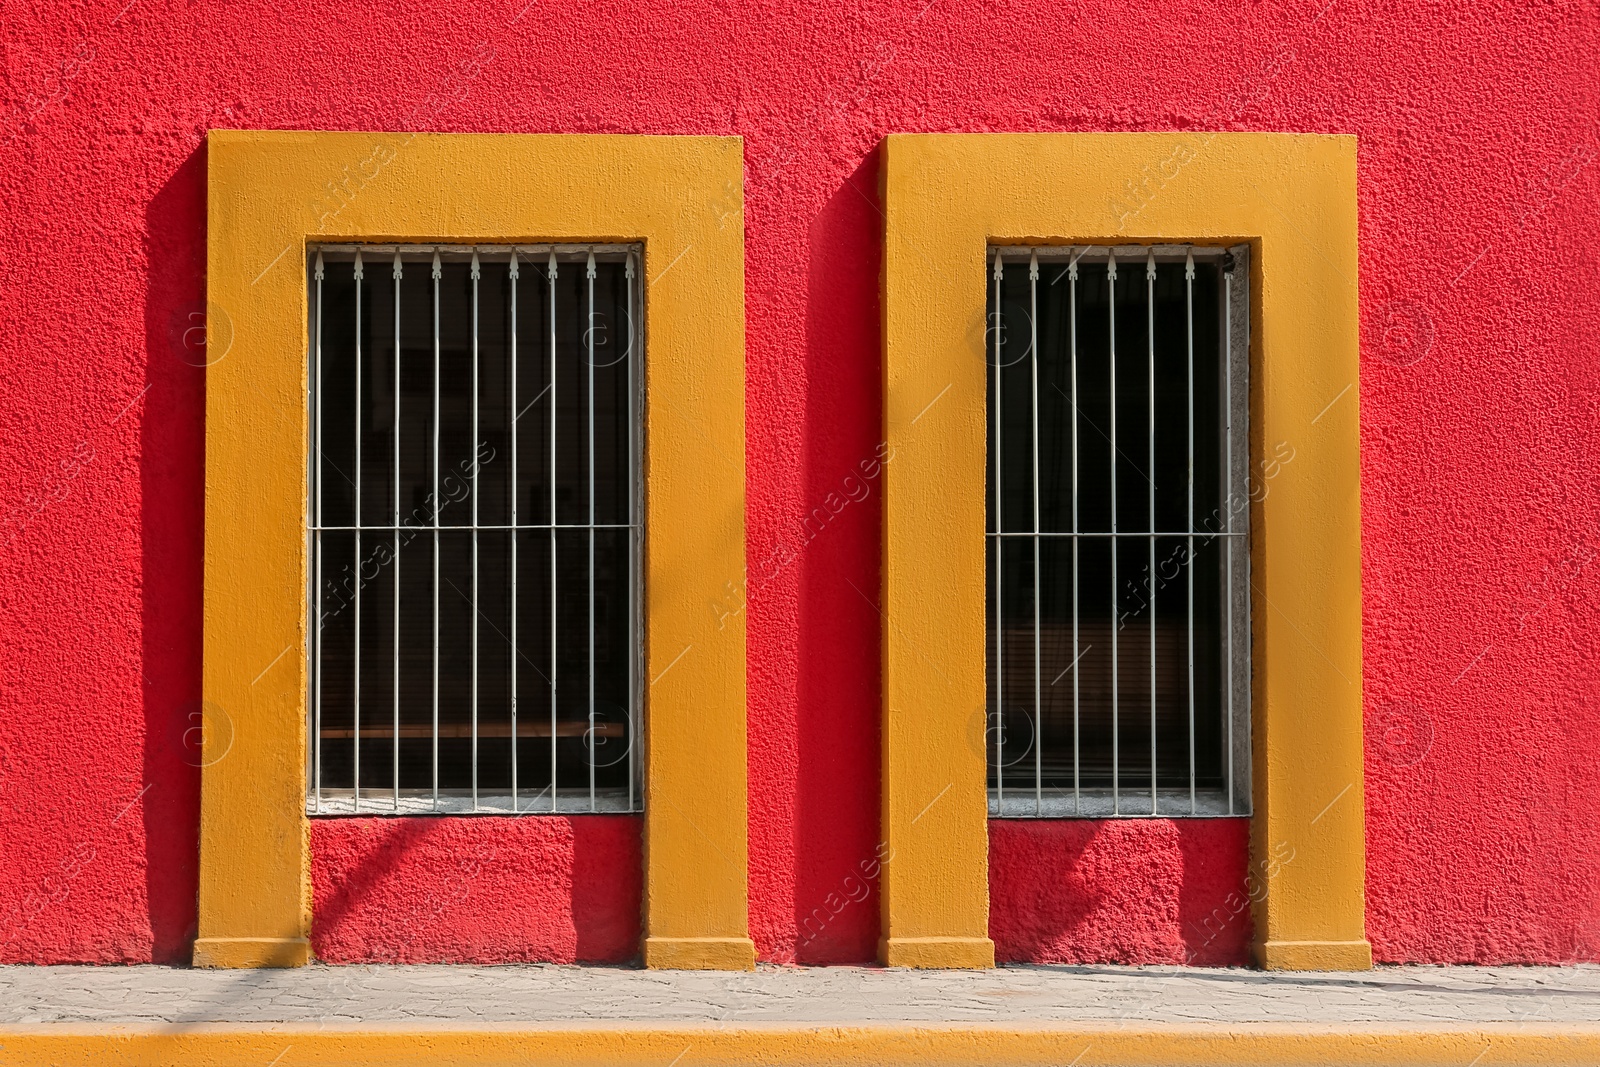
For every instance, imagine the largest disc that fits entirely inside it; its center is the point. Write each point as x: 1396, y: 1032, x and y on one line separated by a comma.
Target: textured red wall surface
x: 1131, y: 891
x: 491, y: 890
x: 1479, y: 412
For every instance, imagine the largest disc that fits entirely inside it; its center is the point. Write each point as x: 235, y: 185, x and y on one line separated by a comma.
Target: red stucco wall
x: 1479, y: 412
x: 1133, y: 891
x: 491, y: 890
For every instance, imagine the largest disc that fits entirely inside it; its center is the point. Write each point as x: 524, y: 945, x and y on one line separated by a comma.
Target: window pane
x: 471, y: 655
x: 1110, y: 662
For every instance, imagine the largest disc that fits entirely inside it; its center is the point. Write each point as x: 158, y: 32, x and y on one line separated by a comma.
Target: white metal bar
x: 1072, y: 316
x: 1028, y: 534
x: 999, y: 556
x: 1188, y: 537
x: 511, y: 428
x: 1164, y: 253
x: 1116, y: 752
x: 553, y: 650
x: 437, y: 272
x: 1038, y: 668
x: 389, y: 527
x: 603, y: 252
x: 633, y: 537
x: 1188, y: 297
x: 355, y: 780
x: 396, y: 570
x: 589, y: 737
x: 363, y: 534
x: 1150, y: 336
x: 1227, y: 437
x: 476, y: 275
x: 316, y: 466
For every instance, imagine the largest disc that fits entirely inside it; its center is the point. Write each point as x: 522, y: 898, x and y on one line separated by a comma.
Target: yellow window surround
x: 272, y: 193
x: 1292, y: 198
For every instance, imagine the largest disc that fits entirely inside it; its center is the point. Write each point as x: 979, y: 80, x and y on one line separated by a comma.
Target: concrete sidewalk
x: 385, y: 1016
x: 546, y: 994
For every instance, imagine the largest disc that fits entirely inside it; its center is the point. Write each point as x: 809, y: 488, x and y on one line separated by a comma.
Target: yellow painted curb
x: 1235, y: 1045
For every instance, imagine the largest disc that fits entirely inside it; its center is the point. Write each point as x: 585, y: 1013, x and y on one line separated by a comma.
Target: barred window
x: 474, y: 531
x: 1118, y: 560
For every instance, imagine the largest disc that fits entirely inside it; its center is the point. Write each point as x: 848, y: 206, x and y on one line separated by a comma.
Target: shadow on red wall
x: 1132, y: 891
x: 539, y: 888
x: 835, y: 835
x: 171, y: 540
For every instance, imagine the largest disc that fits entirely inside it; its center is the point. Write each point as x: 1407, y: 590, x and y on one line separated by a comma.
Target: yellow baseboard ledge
x: 251, y: 952
x: 700, y: 953
x: 957, y: 953
x: 1314, y: 955
x: 691, y: 1045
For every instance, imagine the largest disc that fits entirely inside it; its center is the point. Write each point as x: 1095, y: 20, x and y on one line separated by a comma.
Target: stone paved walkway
x: 541, y: 994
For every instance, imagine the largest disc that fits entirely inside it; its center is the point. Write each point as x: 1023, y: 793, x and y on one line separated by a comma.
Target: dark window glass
x: 478, y: 644
x: 1109, y: 567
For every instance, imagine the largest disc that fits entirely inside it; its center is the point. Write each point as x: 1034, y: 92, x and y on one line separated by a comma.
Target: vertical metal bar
x: 1072, y: 309
x: 552, y: 269
x: 1227, y: 437
x: 355, y: 776
x: 476, y: 275
x: 316, y: 466
x: 999, y: 559
x: 1188, y: 287
x: 437, y: 273
x: 1116, y: 752
x: 589, y: 339
x: 633, y: 533
x: 1038, y: 695
x: 396, y: 571
x: 511, y: 428
x: 1150, y: 336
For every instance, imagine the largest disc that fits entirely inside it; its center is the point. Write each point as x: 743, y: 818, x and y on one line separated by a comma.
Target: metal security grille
x: 1118, y: 562
x: 474, y: 528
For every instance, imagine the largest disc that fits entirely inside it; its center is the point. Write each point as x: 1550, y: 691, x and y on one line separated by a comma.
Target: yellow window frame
x: 272, y: 193
x: 1292, y: 198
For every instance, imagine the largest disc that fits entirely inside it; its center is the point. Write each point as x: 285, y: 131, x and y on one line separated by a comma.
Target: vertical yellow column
x: 696, y: 904
x: 934, y: 887
x: 255, y: 887
x: 1308, y: 848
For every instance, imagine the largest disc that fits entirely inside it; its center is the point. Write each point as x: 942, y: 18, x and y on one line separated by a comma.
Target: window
x: 665, y: 199
x: 1118, y: 559
x: 474, y: 536
x: 949, y: 200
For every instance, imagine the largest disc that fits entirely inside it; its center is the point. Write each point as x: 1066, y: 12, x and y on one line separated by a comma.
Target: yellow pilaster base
x: 927, y: 952
x: 252, y: 952
x: 700, y: 953
x: 1314, y: 955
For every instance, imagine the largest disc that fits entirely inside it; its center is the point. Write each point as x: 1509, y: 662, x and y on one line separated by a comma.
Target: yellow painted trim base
x: 1104, y: 1045
x: 968, y: 953
x: 252, y: 952
x: 700, y: 953
x: 1314, y: 955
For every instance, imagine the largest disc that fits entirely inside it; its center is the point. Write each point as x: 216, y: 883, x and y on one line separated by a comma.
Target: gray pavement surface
x: 1033, y: 995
